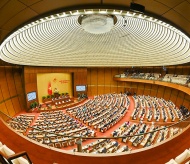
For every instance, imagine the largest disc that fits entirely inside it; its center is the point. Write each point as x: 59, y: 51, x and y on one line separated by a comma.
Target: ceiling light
x: 97, y: 23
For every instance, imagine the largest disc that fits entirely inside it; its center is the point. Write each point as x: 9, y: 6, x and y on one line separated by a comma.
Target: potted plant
x: 44, y: 97
x: 48, y: 97
x: 32, y: 105
x: 67, y: 94
x: 35, y: 104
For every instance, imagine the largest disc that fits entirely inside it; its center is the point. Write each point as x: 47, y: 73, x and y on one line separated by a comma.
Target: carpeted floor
x: 108, y: 132
x: 99, y: 134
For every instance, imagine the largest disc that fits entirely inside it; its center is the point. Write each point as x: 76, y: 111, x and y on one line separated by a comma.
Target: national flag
x: 49, y: 89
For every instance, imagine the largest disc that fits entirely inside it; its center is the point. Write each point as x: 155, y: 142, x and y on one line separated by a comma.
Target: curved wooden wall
x: 12, y: 97
x: 102, y: 81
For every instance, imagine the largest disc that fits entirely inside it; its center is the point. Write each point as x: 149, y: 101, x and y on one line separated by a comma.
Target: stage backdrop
x: 48, y: 82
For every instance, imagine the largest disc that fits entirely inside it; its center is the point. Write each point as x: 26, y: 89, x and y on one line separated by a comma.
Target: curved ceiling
x: 133, y: 41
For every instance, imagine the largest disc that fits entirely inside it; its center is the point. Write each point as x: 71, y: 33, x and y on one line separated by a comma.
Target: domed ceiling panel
x: 133, y: 41
x: 60, y: 40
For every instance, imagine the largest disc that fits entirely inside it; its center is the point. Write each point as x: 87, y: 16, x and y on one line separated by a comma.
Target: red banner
x: 49, y: 89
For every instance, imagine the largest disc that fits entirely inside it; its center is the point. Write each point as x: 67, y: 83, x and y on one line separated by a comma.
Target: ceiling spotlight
x: 137, y: 7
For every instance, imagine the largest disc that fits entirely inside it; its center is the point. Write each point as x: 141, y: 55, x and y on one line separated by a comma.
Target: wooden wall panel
x: 9, y: 106
x: 157, y: 70
x: 30, y: 87
x: 4, y: 109
x: 27, y: 78
x: 160, y: 91
x: 121, y: 70
x: 171, y: 70
x: 174, y: 95
x: 147, y: 89
x: 146, y: 92
x: 167, y: 93
x: 154, y: 89
x: 89, y: 77
x: 107, y: 89
x: 186, y: 70
x: 3, y: 84
x: 179, y: 70
x: 114, y: 72
x: 94, y: 76
x: 101, y: 90
x: 140, y: 90
x: 10, y: 82
x: 108, y: 76
x: 173, y: 98
x: 114, y: 89
x: 186, y: 101
x: 33, y: 77
x: 127, y: 86
x: 180, y: 98
x: 179, y: 101
x: 80, y: 78
x: 121, y: 87
x: 16, y: 105
x: 153, y: 92
x: 19, y: 85
x: 94, y: 90
x: 89, y: 92
x: 11, y: 97
x: 114, y: 84
x: 101, y: 76
x: 134, y: 85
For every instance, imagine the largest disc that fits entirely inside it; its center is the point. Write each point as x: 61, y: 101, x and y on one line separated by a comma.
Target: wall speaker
x: 137, y: 7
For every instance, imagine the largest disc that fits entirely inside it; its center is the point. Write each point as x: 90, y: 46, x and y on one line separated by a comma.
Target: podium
x: 56, y: 94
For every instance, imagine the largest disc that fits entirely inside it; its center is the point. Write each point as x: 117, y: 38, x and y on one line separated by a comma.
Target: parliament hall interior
x: 98, y: 82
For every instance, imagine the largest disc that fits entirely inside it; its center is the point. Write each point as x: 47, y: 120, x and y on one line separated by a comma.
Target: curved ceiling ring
x: 134, y: 39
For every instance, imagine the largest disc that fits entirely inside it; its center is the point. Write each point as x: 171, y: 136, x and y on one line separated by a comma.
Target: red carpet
x: 99, y: 134
x: 108, y: 132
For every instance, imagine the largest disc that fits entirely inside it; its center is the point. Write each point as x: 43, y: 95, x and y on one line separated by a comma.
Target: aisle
x: 108, y: 132
x: 99, y: 134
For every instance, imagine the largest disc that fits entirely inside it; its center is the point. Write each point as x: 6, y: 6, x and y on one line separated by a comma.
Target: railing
x: 151, y: 78
x: 181, y: 124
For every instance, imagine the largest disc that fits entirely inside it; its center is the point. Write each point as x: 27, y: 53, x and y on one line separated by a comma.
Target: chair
x: 46, y: 140
x: 58, y: 145
x: 72, y: 142
x: 65, y: 144
x: 51, y: 144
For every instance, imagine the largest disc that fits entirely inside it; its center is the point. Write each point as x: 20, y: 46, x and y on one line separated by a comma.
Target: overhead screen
x: 31, y: 96
x: 81, y: 88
